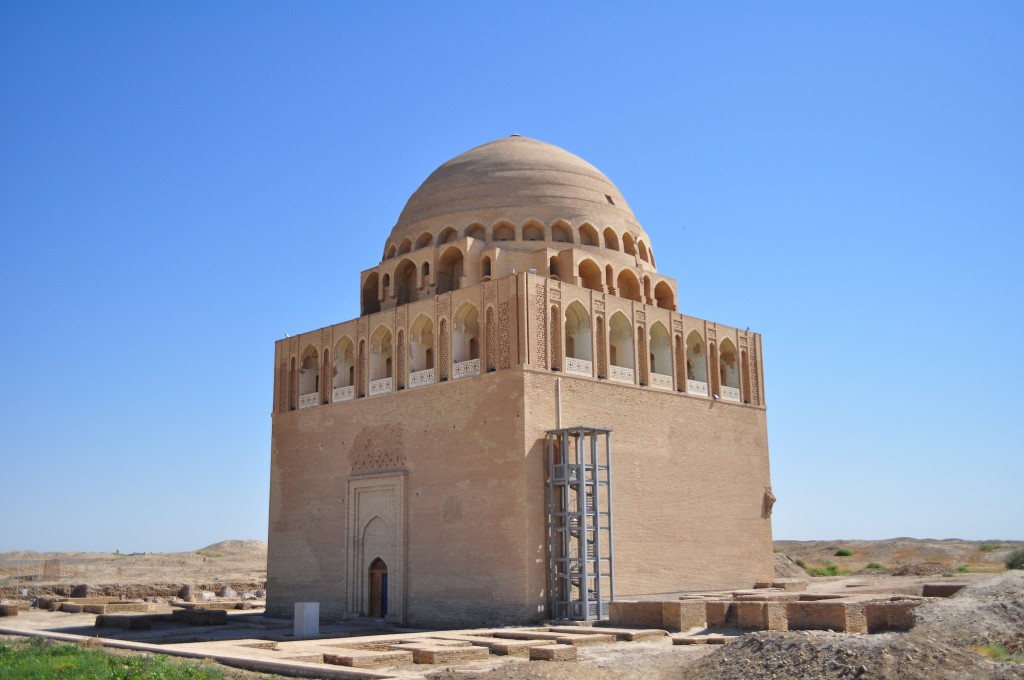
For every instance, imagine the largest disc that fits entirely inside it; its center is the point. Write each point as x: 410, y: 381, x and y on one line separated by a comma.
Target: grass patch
x: 989, y: 547
x: 963, y: 569
x: 826, y: 570
x: 41, y: 658
x: 999, y: 653
x: 947, y: 574
x: 844, y: 552
x: 875, y: 565
x: 1015, y: 560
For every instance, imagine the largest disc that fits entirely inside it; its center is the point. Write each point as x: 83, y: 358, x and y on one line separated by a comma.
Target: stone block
x: 71, y: 607
x: 8, y: 610
x: 751, y: 615
x: 365, y: 658
x: 635, y: 614
x: 678, y: 615
x: 790, y: 584
x: 553, y: 653
x: 307, y: 619
x: 201, y: 617
x: 720, y: 614
x: 816, y: 615
x: 890, y: 615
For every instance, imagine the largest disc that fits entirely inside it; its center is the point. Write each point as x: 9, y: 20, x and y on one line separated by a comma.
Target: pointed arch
x: 309, y: 377
x: 449, y: 271
x: 447, y: 235
x: 343, y: 373
x: 562, y: 232
x: 643, y: 251
x: 729, y: 370
x: 405, y: 282
x: 477, y: 231
x: 503, y: 231
x: 390, y: 252
x: 628, y: 286
x: 381, y: 353
x: 424, y: 240
x: 590, y: 276
x: 371, y: 299
x: 578, y: 340
x: 609, y: 278
x: 611, y: 239
x: 663, y: 296
x: 588, y: 235
x: 621, y: 347
x: 405, y: 246
x: 421, y: 344
x: 485, y: 268
x: 628, y: 245
x: 533, y: 231
x: 661, y: 352
x: 554, y: 271
x: 466, y: 335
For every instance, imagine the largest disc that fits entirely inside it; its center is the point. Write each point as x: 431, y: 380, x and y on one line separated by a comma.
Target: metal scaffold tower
x: 581, y: 574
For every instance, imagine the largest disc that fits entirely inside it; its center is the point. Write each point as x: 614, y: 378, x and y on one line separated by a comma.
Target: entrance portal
x: 378, y: 588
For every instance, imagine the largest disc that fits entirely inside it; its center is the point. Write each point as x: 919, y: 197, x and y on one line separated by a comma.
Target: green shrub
x: 827, y: 570
x: 844, y: 552
x: 875, y: 565
x: 989, y: 547
x: 963, y: 569
x: 999, y: 653
x: 1015, y: 560
x: 800, y: 563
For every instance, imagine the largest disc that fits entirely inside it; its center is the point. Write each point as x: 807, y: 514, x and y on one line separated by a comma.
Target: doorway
x: 378, y: 589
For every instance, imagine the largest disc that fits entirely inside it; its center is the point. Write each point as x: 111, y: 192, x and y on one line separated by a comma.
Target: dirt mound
x: 982, y: 613
x: 785, y: 567
x: 817, y: 655
x: 232, y: 547
x: 921, y: 569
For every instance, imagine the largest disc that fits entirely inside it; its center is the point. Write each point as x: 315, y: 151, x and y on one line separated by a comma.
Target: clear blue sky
x: 183, y: 183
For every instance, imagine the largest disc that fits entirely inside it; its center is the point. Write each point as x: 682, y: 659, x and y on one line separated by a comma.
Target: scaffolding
x: 581, y: 577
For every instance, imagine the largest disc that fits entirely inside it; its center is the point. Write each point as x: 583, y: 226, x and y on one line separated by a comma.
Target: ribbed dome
x: 516, y: 179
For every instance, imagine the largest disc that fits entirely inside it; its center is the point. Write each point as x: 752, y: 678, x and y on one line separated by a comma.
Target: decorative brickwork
x: 539, y: 317
x: 378, y: 449
x: 641, y: 351
x: 680, y: 360
x: 282, y: 386
x: 556, y: 345
x: 491, y: 339
x: 401, y: 359
x: 325, y: 377
x: 442, y: 340
x: 503, y: 327
x: 362, y: 368
x: 599, y: 326
x: 755, y: 392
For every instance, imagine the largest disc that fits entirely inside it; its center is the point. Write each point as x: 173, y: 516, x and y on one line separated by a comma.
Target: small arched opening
x: 729, y: 371
x: 449, y: 271
x: 663, y: 296
x: 405, y: 282
x: 533, y: 231
x: 378, y: 575
x: 421, y: 351
x: 661, y: 357
x: 561, y: 232
x: 628, y: 246
x: 578, y: 352
x: 503, y: 231
x: 696, y: 364
x: 620, y: 348
x: 447, y: 235
x: 590, y: 275
x: 344, y: 369
x: 588, y: 235
x: 425, y: 239
x: 611, y: 239
x: 485, y: 268
x: 643, y: 251
x: 629, y: 286
x: 404, y: 247
x: 476, y: 231
x: 380, y: 358
x: 371, y: 303
x: 553, y: 269
x: 466, y: 341
x: 309, y: 378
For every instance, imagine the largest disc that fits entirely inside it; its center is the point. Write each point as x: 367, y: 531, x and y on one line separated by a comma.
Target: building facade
x: 516, y: 294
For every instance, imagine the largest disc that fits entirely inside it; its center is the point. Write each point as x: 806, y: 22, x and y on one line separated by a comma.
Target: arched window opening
x: 404, y: 247
x: 620, y: 348
x: 555, y: 345
x: 309, y: 378
x: 380, y: 361
x: 588, y: 235
x: 578, y: 352
x: 425, y: 272
x: 533, y: 231
x: 343, y: 371
x: 378, y: 578
x: 611, y: 240
x: 405, y: 282
x: 663, y: 296
x: 386, y: 283
x: 729, y: 371
x: 553, y: 270
x: 696, y: 365
x: 628, y: 246
x: 447, y: 235
x: 485, y: 267
x: 371, y: 303
x: 421, y: 351
x: 449, y: 271
x: 661, y: 357
x: 590, y: 276
x: 602, y: 354
x: 561, y: 232
x: 390, y: 253
x: 504, y: 232
x: 476, y: 231
x: 466, y: 341
x: 425, y: 239
x: 643, y: 251
x: 629, y: 286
